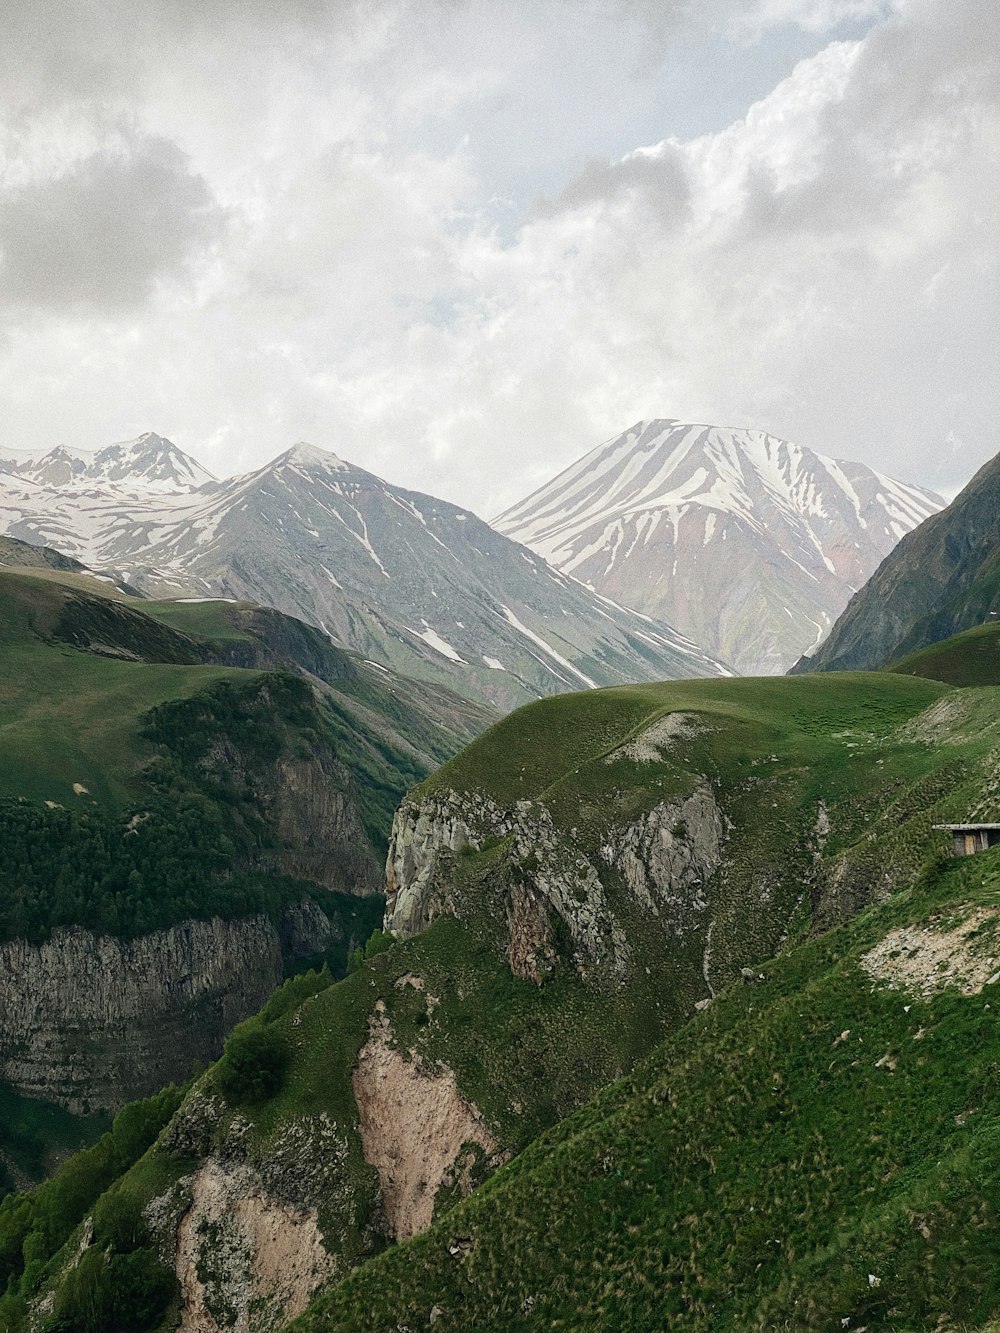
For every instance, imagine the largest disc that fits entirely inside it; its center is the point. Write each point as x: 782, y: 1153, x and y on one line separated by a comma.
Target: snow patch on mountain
x: 750, y: 544
x: 407, y: 580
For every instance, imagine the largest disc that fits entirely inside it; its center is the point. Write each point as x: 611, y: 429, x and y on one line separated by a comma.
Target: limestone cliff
x: 665, y: 858
x: 91, y: 1021
x: 310, y: 801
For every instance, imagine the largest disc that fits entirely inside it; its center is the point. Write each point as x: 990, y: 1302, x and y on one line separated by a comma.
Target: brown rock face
x: 245, y: 1260
x: 530, y: 952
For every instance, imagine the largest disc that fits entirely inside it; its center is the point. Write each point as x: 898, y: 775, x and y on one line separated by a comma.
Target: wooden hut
x: 967, y: 839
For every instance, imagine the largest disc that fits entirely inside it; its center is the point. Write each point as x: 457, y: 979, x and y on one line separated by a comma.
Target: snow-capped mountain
x: 148, y: 463
x: 749, y: 544
x: 412, y: 582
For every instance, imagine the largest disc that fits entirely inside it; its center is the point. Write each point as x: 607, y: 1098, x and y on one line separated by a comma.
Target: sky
x: 459, y: 242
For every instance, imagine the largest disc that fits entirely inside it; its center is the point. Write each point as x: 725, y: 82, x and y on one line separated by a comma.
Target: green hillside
x: 71, y: 718
x: 755, y: 1158
x: 83, y: 666
x: 968, y: 659
x: 819, y: 1150
x: 151, y: 761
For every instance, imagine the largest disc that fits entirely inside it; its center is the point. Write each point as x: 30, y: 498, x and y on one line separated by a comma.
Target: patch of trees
x: 120, y: 1282
x: 257, y: 1054
x: 197, y: 847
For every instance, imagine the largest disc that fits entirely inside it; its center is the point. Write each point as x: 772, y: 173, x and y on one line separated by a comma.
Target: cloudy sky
x: 459, y: 242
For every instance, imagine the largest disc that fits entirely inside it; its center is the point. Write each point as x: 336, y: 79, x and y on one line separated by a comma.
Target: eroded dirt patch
x: 959, y: 950
x: 649, y: 746
x: 414, y: 1123
x: 246, y: 1262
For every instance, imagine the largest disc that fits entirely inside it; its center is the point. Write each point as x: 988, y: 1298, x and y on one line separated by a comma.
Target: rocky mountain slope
x: 570, y: 890
x: 749, y: 544
x: 819, y: 1150
x: 413, y: 583
x: 191, y: 797
x: 943, y: 577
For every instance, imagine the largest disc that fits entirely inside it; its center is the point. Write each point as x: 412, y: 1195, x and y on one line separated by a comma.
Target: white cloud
x: 813, y: 15
x: 824, y: 267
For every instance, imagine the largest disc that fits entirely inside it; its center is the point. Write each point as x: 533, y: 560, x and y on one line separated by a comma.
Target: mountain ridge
x: 942, y: 578
x: 791, y: 533
x: 412, y: 582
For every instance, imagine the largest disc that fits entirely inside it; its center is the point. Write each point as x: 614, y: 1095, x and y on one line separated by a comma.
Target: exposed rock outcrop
x: 242, y: 1231
x: 311, y: 802
x: 665, y: 858
x: 544, y: 873
x: 245, y: 1260
x: 91, y: 1021
x: 667, y: 855
x: 427, y: 835
x: 939, y: 954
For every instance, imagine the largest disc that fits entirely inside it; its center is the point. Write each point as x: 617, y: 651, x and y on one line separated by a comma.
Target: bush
x: 118, y: 1220
x: 254, y: 1062
x: 113, y: 1293
x: 379, y: 941
x: 294, y: 992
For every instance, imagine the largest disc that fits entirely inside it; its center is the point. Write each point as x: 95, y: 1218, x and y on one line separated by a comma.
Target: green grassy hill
x: 819, y: 1150
x: 153, y: 758
x: 758, y: 1165
x: 83, y: 664
x: 968, y: 659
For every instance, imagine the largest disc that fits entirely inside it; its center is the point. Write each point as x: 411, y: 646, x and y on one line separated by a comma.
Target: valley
x: 596, y: 875
x: 499, y: 667
x: 192, y: 803
x: 636, y: 953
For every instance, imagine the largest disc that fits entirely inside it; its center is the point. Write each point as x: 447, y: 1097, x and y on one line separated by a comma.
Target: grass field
x: 70, y: 718
x: 968, y: 659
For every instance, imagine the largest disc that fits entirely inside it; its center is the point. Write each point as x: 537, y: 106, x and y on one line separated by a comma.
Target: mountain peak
x: 746, y: 542
x: 150, y: 460
x: 310, y: 456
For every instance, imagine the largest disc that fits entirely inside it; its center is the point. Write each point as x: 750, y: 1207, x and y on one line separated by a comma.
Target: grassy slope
x: 752, y: 1173
x: 968, y: 659
x: 71, y: 717
x: 68, y: 716
x: 619, y: 1231
x: 528, y: 1055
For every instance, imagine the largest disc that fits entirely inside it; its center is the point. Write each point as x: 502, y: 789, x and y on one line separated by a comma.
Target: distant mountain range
x: 748, y: 544
x: 413, y: 583
x: 940, y: 579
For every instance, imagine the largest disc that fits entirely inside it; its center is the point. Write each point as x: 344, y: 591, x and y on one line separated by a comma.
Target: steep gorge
x: 566, y: 893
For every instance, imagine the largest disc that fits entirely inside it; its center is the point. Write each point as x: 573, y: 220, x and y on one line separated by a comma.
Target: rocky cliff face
x: 91, y: 1021
x: 310, y: 800
x: 664, y: 858
x: 242, y: 1230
